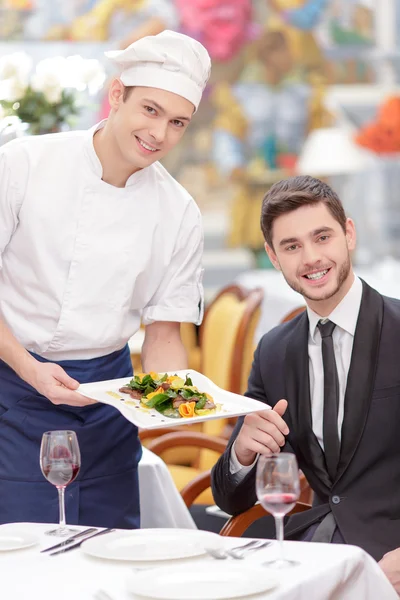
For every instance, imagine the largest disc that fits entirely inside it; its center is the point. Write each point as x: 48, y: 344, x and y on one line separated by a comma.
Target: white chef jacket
x: 82, y: 262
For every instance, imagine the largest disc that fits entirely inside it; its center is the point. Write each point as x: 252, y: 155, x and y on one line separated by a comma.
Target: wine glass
x: 278, y: 489
x: 60, y: 461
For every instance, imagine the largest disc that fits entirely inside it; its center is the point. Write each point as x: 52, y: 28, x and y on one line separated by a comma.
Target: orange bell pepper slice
x: 159, y: 390
x: 187, y: 409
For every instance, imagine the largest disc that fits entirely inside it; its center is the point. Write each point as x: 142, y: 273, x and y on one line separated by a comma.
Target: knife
x: 71, y: 539
x: 78, y: 544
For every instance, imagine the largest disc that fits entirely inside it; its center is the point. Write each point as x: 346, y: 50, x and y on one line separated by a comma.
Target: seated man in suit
x: 332, y: 377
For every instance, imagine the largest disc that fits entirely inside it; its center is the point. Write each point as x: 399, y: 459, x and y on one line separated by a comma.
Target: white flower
x: 14, y: 75
x: 53, y: 94
x: 49, y: 85
x: 12, y: 89
x: 93, y: 75
x: 16, y: 66
x: 57, y: 66
x: 75, y: 77
x: 50, y: 78
x: 85, y: 73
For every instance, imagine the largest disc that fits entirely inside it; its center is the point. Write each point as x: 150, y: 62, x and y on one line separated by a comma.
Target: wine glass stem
x: 61, y: 504
x: 279, y: 534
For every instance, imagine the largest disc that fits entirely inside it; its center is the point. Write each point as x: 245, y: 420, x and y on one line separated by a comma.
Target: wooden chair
x: 227, y: 336
x: 192, y: 483
x: 227, y: 348
x: 173, y: 456
x: 236, y: 526
x: 293, y: 313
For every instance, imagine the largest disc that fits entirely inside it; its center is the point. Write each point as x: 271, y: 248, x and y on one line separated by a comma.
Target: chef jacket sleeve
x: 13, y: 179
x: 180, y: 296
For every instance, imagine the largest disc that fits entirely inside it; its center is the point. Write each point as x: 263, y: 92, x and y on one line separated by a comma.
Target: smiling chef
x: 95, y: 238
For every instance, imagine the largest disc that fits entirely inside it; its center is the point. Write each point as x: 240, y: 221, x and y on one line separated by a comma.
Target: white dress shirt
x: 345, y: 317
x: 82, y: 262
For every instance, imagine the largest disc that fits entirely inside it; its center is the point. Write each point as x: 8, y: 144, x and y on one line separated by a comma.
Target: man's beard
x: 343, y: 275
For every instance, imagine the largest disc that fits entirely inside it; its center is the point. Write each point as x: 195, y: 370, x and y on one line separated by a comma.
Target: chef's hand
x: 390, y: 565
x: 52, y: 381
x: 262, y: 433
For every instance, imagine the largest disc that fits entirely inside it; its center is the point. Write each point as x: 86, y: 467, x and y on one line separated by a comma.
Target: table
x: 161, y: 504
x: 327, y: 572
x: 279, y: 299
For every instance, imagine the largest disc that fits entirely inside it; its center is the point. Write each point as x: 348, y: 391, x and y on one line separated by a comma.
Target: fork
x: 220, y: 554
x: 238, y: 551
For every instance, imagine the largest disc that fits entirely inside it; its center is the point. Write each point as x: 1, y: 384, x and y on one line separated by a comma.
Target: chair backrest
x: 236, y: 526
x: 190, y: 342
x: 227, y: 336
x: 293, y: 313
x: 190, y: 439
x: 227, y: 347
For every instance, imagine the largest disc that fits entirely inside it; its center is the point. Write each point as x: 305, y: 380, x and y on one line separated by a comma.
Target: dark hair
x: 127, y: 92
x: 289, y: 194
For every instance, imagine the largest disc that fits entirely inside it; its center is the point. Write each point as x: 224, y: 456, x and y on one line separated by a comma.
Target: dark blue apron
x: 106, y: 491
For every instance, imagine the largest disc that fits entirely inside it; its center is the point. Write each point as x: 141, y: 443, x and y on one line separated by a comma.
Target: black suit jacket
x: 365, y: 495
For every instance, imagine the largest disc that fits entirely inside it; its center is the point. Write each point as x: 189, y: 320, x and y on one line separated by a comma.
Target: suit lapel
x: 361, y: 377
x: 297, y: 382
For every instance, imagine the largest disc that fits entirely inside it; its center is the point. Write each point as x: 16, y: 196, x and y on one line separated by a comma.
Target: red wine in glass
x: 278, y: 489
x: 60, y: 461
x: 279, y: 503
x: 61, y: 474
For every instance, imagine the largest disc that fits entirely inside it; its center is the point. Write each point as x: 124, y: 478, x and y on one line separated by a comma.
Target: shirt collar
x: 345, y: 314
x: 95, y: 161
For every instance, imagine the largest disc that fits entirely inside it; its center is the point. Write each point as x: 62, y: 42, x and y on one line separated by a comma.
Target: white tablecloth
x: 327, y: 572
x: 161, y: 505
x: 280, y: 299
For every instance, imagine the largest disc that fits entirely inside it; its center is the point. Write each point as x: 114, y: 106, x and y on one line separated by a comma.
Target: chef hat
x: 168, y: 61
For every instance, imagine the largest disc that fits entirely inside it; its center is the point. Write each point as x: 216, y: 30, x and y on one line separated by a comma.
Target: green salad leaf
x: 162, y: 401
x: 155, y: 400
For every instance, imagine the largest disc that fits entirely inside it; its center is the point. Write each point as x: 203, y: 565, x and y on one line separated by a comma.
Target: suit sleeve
x: 230, y: 495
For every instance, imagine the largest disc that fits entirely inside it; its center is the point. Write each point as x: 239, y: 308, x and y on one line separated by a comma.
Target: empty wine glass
x: 60, y: 461
x: 278, y: 489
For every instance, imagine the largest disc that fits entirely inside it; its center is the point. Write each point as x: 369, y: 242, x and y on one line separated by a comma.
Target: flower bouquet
x: 49, y: 96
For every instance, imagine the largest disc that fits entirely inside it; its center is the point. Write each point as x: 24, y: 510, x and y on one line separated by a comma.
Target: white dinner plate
x: 151, y: 544
x: 202, y: 581
x: 231, y: 405
x: 14, y: 538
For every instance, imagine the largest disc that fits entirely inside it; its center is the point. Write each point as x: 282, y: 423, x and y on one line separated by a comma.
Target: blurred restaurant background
x: 297, y: 87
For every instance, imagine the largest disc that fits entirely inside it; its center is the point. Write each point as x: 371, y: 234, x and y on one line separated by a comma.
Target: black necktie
x: 331, y: 399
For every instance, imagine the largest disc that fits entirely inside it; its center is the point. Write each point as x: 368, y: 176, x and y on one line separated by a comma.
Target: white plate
x: 13, y: 538
x: 232, y: 405
x: 151, y: 544
x: 202, y: 581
